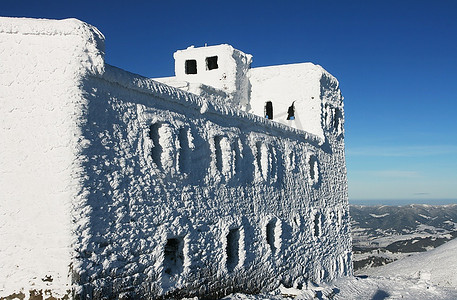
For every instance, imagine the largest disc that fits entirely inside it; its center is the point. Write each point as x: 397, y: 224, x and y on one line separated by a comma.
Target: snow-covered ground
x: 437, y: 266
x: 429, y: 275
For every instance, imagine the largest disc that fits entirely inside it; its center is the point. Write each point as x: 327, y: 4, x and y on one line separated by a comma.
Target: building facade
x: 122, y: 187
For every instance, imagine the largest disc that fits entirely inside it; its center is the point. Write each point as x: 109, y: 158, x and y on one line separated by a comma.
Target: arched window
x: 271, y: 235
x: 233, y: 249
x: 269, y: 110
x: 291, y: 112
x: 173, y: 256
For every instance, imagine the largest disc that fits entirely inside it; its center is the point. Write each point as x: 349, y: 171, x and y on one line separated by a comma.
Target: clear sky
x: 396, y: 62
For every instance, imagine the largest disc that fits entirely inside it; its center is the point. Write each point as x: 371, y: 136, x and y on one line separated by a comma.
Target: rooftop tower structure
x: 302, y: 96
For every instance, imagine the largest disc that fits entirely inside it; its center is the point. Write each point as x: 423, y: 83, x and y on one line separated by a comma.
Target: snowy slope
x: 429, y: 275
x: 356, y: 288
x: 437, y: 266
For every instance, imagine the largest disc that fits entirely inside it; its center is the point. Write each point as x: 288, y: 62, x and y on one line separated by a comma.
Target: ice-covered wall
x: 221, y: 67
x: 145, y: 190
x: 191, y: 198
x: 284, y: 85
x: 235, y: 83
x: 41, y: 107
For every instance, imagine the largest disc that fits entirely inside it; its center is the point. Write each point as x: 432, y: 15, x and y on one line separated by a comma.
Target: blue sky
x: 396, y: 62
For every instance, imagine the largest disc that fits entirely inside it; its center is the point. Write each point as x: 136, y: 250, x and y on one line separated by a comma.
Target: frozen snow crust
x: 436, y: 266
x: 117, y: 186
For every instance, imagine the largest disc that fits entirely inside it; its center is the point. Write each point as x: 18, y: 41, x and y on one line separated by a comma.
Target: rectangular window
x: 317, y: 225
x: 269, y: 110
x: 233, y: 248
x: 156, y: 151
x: 211, y: 63
x: 271, y: 235
x: 173, y: 256
x: 191, y: 66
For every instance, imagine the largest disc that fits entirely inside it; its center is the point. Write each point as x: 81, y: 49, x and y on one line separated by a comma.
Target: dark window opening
x: 258, y: 156
x: 317, y: 220
x: 211, y: 63
x: 338, y: 117
x: 291, y: 112
x: 237, y: 157
x: 269, y: 110
x: 174, y: 256
x: 191, y: 66
x: 271, y: 235
x: 233, y: 245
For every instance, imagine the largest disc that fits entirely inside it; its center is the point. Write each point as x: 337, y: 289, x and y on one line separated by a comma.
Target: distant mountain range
x: 382, y: 234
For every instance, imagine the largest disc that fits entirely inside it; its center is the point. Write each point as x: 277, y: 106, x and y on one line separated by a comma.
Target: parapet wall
x: 162, y: 193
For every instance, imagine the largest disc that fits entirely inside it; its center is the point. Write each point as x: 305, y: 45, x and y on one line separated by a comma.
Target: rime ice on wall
x: 221, y: 67
x: 41, y: 109
x: 298, y: 85
x: 296, y: 93
x: 154, y: 192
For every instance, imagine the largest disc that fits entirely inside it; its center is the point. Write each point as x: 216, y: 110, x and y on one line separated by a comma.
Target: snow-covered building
x: 119, y: 186
x: 303, y: 96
